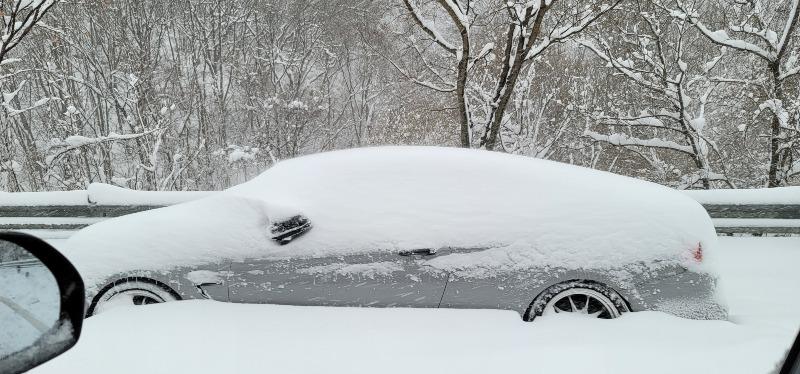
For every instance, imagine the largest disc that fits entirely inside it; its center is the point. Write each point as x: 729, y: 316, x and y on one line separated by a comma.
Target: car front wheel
x: 130, y: 292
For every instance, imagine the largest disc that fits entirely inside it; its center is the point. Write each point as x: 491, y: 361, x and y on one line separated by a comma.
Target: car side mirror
x: 285, y: 231
x: 41, y: 302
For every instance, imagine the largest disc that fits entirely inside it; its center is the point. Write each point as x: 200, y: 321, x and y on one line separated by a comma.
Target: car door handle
x: 417, y: 252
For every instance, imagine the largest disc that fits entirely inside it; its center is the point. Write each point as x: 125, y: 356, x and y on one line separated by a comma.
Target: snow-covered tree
x: 482, y: 66
x: 184, y: 95
x: 18, y: 18
x: 767, y: 31
x: 653, y: 53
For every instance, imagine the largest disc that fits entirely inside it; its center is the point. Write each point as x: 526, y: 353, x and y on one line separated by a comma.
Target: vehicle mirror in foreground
x: 792, y: 363
x: 41, y: 302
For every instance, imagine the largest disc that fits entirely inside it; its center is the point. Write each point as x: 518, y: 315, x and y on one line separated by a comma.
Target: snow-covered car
x: 416, y: 227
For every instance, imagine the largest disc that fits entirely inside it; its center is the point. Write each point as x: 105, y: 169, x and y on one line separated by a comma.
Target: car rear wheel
x: 585, y: 298
x: 131, y: 292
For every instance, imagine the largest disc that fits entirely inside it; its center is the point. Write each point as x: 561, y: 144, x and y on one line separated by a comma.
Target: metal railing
x: 755, y: 219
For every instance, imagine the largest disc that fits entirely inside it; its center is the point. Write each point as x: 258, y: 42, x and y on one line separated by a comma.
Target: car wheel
x: 129, y: 292
x: 588, y: 298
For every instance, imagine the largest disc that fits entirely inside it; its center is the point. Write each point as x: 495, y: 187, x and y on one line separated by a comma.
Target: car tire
x: 131, y: 291
x: 587, y: 297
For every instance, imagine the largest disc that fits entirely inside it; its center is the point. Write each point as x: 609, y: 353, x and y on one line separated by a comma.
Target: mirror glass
x: 30, y: 300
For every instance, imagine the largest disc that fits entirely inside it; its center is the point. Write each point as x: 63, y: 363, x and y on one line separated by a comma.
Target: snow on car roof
x: 529, y: 211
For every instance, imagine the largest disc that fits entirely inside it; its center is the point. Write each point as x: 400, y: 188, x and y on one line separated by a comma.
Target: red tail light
x: 697, y: 253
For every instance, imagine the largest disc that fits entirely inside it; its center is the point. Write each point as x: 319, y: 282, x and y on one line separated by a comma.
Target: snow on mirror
x: 30, y: 301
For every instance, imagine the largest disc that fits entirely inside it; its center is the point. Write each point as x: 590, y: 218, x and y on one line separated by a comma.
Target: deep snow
x: 201, y: 337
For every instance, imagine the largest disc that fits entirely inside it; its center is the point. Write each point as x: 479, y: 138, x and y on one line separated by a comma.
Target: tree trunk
x: 524, y: 46
x: 463, y: 106
x: 775, y: 176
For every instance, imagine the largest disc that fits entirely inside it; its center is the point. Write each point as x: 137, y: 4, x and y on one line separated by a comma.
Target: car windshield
x: 564, y: 186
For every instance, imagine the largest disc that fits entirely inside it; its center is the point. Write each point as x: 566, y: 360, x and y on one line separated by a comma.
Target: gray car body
x: 387, y: 279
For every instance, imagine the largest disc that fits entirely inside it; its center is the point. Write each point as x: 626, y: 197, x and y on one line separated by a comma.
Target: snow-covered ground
x: 760, y: 275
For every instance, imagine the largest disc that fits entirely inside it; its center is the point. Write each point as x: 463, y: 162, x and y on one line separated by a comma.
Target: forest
x: 203, y: 95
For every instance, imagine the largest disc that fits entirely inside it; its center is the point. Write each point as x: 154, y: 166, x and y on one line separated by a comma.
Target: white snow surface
x: 197, y: 232
x: 777, y: 195
x: 202, y: 277
x: 530, y: 212
x: 202, y: 337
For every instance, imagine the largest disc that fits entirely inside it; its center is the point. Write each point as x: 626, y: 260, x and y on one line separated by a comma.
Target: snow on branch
x: 19, y: 20
x: 624, y: 67
x: 455, y: 11
x: 424, y: 83
x: 8, y: 97
x: 790, y: 24
x: 791, y: 71
x: 77, y: 141
x: 619, y: 139
x: 559, y: 34
x: 721, y: 37
x: 766, y: 35
x: 485, y: 51
x: 429, y: 27
x: 776, y: 106
x: 690, y: 180
x: 794, y: 170
x: 645, y: 120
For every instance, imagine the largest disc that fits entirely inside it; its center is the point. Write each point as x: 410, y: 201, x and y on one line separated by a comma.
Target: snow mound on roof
x: 530, y: 212
x: 427, y: 197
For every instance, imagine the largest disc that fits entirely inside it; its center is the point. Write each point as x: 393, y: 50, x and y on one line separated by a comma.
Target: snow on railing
x: 100, y: 194
x: 57, y: 214
x: 754, y: 196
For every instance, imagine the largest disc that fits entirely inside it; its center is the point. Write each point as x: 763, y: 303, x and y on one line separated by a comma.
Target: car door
x: 383, y: 279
